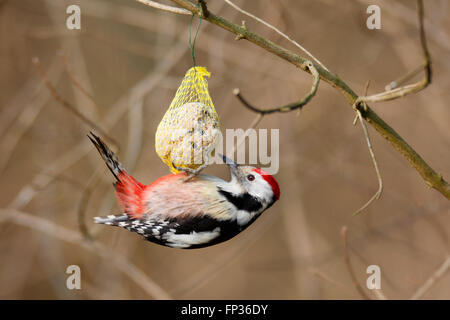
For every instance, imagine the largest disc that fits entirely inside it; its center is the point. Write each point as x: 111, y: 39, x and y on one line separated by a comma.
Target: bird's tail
x: 110, y: 158
x: 114, y: 220
x: 128, y: 190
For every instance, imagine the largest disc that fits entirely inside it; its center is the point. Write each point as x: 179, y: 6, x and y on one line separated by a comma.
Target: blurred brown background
x: 130, y: 58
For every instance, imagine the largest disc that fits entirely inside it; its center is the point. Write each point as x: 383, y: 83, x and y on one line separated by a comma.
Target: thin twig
x: 28, y: 92
x: 276, y: 30
x: 430, y: 176
x: 117, y: 110
x: 256, y: 121
x: 349, y: 265
x: 379, y: 294
x: 135, y: 132
x: 134, y: 147
x: 403, y: 13
x: 377, y: 194
x: 122, y: 263
x: 412, y: 88
x: 84, y: 201
x: 288, y: 107
x: 80, y: 87
x: 18, y: 117
x: 225, y: 259
x: 164, y: 7
x: 76, y: 83
x: 66, y: 104
x: 253, y: 124
x: 28, y: 115
x: 438, y: 274
x: 325, y: 277
x: 411, y: 74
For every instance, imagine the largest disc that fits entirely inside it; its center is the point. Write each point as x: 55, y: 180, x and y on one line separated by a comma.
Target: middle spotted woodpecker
x: 187, y: 212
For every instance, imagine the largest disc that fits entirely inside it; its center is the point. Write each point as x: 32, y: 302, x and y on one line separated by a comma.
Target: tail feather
x: 128, y: 190
x: 110, y: 158
x: 113, y: 220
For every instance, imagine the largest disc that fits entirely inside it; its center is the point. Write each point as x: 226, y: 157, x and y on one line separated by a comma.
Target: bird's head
x: 253, y: 181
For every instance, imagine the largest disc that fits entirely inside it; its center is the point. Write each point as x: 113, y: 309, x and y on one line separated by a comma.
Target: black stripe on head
x: 243, y: 201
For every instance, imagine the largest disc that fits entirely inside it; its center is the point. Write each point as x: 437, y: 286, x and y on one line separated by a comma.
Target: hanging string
x: 192, y: 44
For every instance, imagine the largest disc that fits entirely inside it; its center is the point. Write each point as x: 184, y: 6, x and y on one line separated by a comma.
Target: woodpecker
x: 198, y: 212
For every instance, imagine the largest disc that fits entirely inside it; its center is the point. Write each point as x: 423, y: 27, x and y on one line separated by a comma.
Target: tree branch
x: 288, y: 107
x: 37, y: 64
x: 295, y: 43
x: 164, y: 7
x: 431, y: 177
x: 348, y: 263
x: 431, y: 281
x: 359, y: 117
x: 61, y: 233
x: 412, y: 88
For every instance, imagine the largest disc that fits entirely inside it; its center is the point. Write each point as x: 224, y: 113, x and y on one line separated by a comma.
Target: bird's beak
x: 234, y: 167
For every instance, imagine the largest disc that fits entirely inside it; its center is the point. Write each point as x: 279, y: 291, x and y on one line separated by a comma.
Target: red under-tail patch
x: 129, y: 193
x: 271, y: 181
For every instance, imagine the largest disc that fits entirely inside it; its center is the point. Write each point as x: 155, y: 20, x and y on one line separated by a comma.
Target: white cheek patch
x: 193, y: 238
x: 262, y: 189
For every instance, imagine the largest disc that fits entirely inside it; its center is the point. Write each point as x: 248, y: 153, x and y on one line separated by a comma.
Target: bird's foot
x: 191, y: 173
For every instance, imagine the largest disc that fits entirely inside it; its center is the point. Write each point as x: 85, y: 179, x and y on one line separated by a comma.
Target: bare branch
x: 67, y: 235
x: 164, y: 7
x: 204, y: 8
x: 438, y: 274
x: 277, y: 31
x: 84, y: 200
x: 66, y: 104
x: 377, y: 195
x: 288, y: 107
x: 431, y: 177
x: 396, y: 83
x: 325, y: 277
x: 228, y: 256
x: 33, y: 100
x: 412, y: 88
x: 253, y: 124
x: 76, y: 152
x: 349, y: 265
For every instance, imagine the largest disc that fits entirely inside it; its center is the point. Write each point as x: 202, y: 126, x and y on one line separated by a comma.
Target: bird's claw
x: 191, y: 173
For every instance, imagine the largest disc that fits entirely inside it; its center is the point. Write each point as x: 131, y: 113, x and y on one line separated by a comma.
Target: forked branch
x: 412, y: 88
x: 431, y: 177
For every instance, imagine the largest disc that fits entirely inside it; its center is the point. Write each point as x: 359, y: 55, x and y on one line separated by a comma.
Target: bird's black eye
x: 250, y: 177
